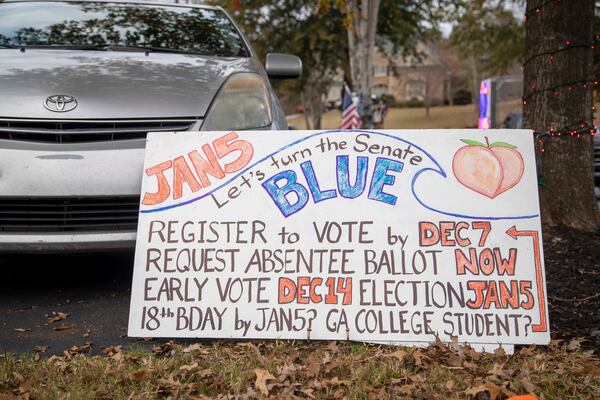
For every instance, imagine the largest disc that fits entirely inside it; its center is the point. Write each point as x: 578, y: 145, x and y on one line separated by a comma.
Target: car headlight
x: 243, y: 102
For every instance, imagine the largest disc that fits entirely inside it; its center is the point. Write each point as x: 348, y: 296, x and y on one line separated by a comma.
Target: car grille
x: 67, y: 214
x: 76, y: 131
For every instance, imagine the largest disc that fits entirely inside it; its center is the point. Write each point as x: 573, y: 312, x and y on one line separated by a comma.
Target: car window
x: 199, y: 30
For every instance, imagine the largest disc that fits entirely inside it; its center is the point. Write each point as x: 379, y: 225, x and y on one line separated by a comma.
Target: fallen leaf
x: 313, y: 367
x: 175, y: 387
x: 19, y: 378
x: 500, y: 352
x: 498, y: 370
x: 399, y: 354
x: 189, y: 367
x: 529, y: 387
x: 416, y: 378
x: 419, y: 357
x: 165, y: 349
x: 286, y: 371
x: 450, y: 384
x: 114, y: 352
x: 326, y: 358
x: 574, y: 345
x: 87, y: 333
x: 590, y: 369
x: 495, y: 391
x: 335, y: 381
x: 56, y: 316
x: 194, y: 347
x: 22, y: 393
x: 62, y: 327
x: 262, y: 376
x: 454, y: 360
x: 22, y: 330
x: 255, y: 349
x: 138, y: 375
x: 333, y: 347
x: 77, y: 349
x: 407, y: 389
x: 40, y: 349
x: 475, y: 355
x: 332, y: 365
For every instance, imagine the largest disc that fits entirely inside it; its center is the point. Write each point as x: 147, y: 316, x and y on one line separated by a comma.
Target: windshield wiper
x: 104, y: 47
x: 56, y: 46
x: 152, y: 49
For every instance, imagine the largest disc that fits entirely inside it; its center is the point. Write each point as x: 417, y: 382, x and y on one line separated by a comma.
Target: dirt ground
x: 573, y: 284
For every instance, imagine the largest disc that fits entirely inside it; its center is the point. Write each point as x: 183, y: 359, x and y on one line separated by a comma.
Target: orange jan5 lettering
x: 193, y: 170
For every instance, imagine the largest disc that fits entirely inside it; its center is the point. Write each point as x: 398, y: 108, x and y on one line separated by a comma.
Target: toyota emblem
x: 60, y: 103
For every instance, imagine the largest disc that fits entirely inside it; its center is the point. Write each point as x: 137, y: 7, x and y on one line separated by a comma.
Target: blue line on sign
x: 414, y: 180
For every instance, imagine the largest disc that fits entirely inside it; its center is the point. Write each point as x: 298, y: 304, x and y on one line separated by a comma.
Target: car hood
x: 112, y: 84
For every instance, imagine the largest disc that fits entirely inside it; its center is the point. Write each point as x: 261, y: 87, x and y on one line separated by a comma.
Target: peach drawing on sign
x: 488, y: 169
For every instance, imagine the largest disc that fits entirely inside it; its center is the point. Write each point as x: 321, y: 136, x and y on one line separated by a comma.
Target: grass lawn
x: 397, y: 118
x: 306, y: 370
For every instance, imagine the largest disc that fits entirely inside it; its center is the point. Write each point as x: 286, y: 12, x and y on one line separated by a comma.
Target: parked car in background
x: 513, y: 120
x: 81, y: 84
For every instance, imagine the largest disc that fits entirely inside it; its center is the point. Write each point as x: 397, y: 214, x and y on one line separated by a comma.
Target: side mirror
x: 283, y: 66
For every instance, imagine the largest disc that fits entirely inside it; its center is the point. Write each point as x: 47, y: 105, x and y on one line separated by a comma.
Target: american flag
x: 351, y: 118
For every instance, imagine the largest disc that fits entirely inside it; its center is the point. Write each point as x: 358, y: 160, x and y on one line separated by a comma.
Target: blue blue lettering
x: 381, y: 178
x: 279, y: 193
x: 313, y: 184
x: 343, y: 176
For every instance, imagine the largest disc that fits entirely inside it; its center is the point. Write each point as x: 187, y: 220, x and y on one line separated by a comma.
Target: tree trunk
x: 316, y: 108
x: 363, y: 16
x: 306, y: 120
x: 427, y: 95
x: 475, y: 83
x: 565, y: 162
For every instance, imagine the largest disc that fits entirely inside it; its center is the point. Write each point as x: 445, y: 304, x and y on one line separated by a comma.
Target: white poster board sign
x: 390, y: 236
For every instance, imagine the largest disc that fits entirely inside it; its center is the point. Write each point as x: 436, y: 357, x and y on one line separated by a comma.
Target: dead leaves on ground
x: 114, y: 352
x: 315, y: 370
x: 262, y: 376
x: 62, y: 327
x: 56, y: 316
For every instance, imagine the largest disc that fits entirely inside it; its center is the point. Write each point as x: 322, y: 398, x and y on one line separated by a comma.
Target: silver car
x: 81, y: 84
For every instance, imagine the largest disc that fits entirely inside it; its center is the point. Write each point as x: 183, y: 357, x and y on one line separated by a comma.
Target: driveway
x: 91, y: 292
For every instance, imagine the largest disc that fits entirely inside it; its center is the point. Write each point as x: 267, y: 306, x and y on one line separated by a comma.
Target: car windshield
x: 70, y: 24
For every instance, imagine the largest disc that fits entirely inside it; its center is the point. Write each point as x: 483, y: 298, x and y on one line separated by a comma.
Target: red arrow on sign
x: 514, y: 233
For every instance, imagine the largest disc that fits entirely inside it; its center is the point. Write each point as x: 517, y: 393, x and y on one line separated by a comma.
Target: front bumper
x: 70, y: 243
x: 41, y: 170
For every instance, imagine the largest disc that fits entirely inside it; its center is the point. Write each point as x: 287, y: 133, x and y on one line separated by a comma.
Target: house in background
x: 426, y: 79
x: 433, y: 78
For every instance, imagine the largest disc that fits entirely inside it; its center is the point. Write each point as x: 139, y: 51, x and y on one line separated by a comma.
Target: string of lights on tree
x: 582, y: 128
x: 538, y: 9
x: 568, y: 45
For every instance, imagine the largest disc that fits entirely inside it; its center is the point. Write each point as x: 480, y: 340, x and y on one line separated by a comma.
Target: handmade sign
x: 390, y: 236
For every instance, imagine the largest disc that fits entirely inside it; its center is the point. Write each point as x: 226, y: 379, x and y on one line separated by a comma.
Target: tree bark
x: 565, y: 165
x: 475, y: 83
x: 427, y: 102
x: 306, y: 120
x: 362, y: 30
